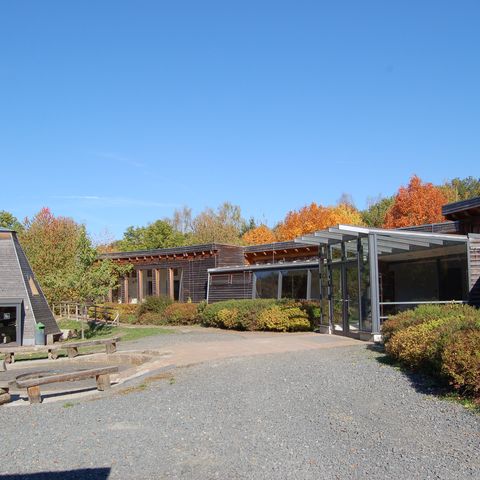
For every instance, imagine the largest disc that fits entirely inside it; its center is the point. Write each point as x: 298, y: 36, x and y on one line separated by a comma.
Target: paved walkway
x: 189, y: 346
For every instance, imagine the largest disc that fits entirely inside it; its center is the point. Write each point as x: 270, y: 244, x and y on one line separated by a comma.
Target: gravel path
x: 315, y: 414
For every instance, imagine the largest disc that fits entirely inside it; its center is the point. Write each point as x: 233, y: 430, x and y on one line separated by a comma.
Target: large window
x: 266, y: 284
x: 294, y: 284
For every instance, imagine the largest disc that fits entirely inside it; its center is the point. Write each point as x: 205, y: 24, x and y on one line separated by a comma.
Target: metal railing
x: 86, y: 312
x: 401, y: 306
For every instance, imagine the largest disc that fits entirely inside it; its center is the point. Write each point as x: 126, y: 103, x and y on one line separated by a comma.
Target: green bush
x: 443, y: 341
x: 127, y: 311
x: 241, y: 315
x: 258, y: 314
x: 153, y: 305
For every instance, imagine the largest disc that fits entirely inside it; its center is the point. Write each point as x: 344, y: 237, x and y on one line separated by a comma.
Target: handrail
x: 86, y: 312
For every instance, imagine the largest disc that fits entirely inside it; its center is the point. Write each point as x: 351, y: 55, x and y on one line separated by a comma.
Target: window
x: 294, y: 284
x: 266, y: 284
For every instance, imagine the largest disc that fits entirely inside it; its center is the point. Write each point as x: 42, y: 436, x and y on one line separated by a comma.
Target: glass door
x: 8, y: 324
x: 352, y: 296
x: 337, y: 297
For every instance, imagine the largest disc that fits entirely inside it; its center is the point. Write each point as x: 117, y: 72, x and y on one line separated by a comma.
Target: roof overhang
x: 387, y: 240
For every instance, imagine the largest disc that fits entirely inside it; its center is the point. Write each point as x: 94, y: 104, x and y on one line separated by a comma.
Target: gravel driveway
x: 313, y: 414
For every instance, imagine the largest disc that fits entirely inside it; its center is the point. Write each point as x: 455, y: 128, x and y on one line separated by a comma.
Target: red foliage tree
x: 416, y: 204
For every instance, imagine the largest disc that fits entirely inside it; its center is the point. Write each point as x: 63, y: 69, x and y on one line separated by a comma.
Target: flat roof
x: 388, y: 241
x: 207, y: 247
x: 462, y: 209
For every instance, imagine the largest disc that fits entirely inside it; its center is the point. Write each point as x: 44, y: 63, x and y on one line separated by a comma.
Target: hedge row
x: 272, y: 315
x: 441, y: 340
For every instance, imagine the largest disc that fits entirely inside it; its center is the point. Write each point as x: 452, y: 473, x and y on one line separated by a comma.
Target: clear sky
x: 116, y: 112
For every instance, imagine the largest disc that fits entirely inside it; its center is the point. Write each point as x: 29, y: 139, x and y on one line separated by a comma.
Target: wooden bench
x: 4, y: 393
x: 72, y: 347
x: 52, y: 350
x: 102, y: 376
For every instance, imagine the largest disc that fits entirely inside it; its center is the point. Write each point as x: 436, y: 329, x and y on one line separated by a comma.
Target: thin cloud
x: 114, y: 157
x: 116, y: 201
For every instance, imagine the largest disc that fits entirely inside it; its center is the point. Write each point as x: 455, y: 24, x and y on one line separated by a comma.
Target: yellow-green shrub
x: 283, y: 319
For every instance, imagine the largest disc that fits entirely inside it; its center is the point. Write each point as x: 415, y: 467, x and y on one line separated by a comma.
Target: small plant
x: 68, y: 405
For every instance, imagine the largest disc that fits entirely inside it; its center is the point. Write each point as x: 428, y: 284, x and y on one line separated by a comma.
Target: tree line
x: 65, y: 260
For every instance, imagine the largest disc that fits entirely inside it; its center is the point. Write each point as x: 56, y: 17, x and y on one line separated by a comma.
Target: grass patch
x: 94, y: 331
x: 466, y: 402
x: 68, y: 405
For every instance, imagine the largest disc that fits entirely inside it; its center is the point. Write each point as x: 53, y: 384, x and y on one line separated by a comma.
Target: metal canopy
x: 386, y: 240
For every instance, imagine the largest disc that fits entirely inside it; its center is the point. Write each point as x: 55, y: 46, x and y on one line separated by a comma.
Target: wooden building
x: 359, y: 275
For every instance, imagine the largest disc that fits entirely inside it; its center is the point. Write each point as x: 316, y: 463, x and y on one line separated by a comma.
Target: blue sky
x: 117, y: 112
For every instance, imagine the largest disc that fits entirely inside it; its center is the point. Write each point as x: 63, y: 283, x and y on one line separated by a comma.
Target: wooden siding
x: 230, y: 286
x: 474, y: 269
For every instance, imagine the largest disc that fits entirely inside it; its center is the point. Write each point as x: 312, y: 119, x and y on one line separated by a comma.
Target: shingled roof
x: 17, y: 281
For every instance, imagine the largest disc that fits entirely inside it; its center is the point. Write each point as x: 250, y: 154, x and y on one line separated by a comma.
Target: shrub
x: 258, y: 314
x: 181, y: 314
x: 283, y: 319
x: 153, y: 305
x: 421, y: 314
x: 127, y: 311
x: 441, y: 340
x: 461, y: 361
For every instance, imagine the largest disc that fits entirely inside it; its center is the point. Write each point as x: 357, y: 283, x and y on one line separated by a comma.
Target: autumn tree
x: 316, y: 217
x: 64, y: 260
x: 416, y: 204
x: 259, y: 235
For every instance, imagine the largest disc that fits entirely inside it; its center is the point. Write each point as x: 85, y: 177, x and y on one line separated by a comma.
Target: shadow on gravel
x: 421, y: 382
x: 81, y: 474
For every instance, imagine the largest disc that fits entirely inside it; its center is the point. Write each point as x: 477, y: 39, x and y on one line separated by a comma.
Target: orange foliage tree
x: 316, y: 217
x: 259, y: 235
x: 416, y: 204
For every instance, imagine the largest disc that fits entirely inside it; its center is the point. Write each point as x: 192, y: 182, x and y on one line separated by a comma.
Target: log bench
x: 52, y: 350
x: 4, y: 393
x: 102, y: 376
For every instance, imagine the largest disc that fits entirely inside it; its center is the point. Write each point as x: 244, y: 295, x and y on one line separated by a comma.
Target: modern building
x: 22, y: 302
x: 359, y: 275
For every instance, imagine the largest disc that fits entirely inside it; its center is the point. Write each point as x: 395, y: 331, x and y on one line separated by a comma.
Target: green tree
x: 374, y: 215
x: 224, y: 225
x: 463, y: 188
x: 159, y: 234
x: 7, y: 220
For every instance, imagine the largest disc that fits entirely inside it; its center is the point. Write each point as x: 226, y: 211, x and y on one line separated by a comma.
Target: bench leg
x: 111, y: 347
x: 3, y: 366
x: 72, y: 352
x: 103, y: 382
x: 52, y: 354
x: 4, y: 396
x: 34, y: 394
